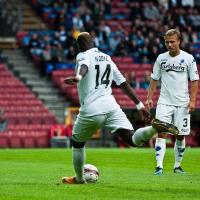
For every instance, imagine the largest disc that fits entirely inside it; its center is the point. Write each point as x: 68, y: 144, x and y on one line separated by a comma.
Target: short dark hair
x: 84, y: 41
x: 171, y: 32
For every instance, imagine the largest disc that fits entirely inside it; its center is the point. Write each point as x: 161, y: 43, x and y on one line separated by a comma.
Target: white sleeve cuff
x: 139, y: 106
x: 79, y: 77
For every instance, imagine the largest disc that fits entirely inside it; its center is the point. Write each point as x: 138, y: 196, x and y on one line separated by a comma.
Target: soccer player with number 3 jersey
x: 174, y: 68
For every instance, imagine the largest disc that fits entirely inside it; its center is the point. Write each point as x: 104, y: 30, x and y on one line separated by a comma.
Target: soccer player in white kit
x: 175, y: 104
x: 95, y: 72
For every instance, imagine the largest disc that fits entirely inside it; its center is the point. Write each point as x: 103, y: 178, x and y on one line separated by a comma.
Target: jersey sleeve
x: 117, y: 76
x: 81, y: 59
x: 193, y: 71
x: 156, y: 73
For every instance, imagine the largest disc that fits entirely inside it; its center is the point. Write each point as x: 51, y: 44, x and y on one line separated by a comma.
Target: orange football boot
x: 71, y: 180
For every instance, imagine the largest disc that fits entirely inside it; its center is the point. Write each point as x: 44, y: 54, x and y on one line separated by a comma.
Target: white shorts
x: 85, y: 127
x: 179, y: 116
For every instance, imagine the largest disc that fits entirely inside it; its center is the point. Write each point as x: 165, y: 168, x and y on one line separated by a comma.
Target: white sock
x: 78, y: 162
x: 160, y: 148
x: 143, y: 135
x: 179, y: 149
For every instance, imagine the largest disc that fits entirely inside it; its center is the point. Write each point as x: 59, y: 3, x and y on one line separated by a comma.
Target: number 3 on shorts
x: 185, y: 122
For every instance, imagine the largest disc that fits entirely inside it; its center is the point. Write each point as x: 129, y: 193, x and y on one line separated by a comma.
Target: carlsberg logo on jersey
x: 168, y: 67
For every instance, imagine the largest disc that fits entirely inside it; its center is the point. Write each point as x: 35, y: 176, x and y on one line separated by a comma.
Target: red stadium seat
x: 117, y: 59
x: 15, y: 139
x: 127, y: 60
x: 48, y: 120
x: 147, y: 67
x: 29, y: 140
x: 4, y: 140
x: 42, y: 139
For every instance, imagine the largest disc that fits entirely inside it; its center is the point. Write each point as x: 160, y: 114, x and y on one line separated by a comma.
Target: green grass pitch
x: 124, y: 174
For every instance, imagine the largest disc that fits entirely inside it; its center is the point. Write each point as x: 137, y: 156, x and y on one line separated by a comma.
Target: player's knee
x: 180, y: 137
x: 162, y: 135
x: 126, y: 135
x: 77, y: 145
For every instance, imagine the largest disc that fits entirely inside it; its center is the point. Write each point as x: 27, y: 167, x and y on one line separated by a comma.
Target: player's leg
x: 143, y: 135
x: 163, y: 113
x: 137, y: 138
x: 82, y: 131
x: 160, y: 149
x: 78, y: 159
x: 118, y: 123
x: 126, y: 135
x: 182, y: 121
x: 179, y: 149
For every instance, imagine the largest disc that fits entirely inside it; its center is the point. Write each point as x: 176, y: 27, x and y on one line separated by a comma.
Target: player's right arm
x: 82, y: 69
x: 150, y: 92
x: 155, y: 76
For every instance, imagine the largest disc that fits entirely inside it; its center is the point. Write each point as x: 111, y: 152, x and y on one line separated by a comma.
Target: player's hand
x: 71, y: 80
x: 149, y: 104
x: 191, y: 106
x: 145, y: 115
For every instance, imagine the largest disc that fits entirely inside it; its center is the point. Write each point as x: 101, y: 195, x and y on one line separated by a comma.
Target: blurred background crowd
x: 120, y: 28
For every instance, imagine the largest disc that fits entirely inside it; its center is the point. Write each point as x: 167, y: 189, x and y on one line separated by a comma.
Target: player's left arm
x: 123, y: 84
x: 194, y: 78
x: 193, y: 95
x: 121, y: 81
x: 129, y: 92
x: 145, y: 114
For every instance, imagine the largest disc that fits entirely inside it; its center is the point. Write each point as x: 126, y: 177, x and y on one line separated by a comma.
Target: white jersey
x: 174, y: 73
x: 95, y: 93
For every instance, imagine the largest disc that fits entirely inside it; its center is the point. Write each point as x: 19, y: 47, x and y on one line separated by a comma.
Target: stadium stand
x: 129, y: 31
x: 24, y: 112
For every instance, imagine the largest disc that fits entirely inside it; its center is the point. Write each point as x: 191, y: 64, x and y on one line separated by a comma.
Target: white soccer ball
x: 91, y: 173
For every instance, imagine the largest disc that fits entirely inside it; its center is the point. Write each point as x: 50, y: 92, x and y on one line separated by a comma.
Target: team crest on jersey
x: 182, y: 61
x: 80, y: 59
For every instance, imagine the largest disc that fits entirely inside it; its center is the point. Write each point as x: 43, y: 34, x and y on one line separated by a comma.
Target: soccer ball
x: 91, y: 173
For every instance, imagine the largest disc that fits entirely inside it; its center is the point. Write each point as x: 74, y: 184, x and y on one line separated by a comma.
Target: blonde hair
x: 171, y: 32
